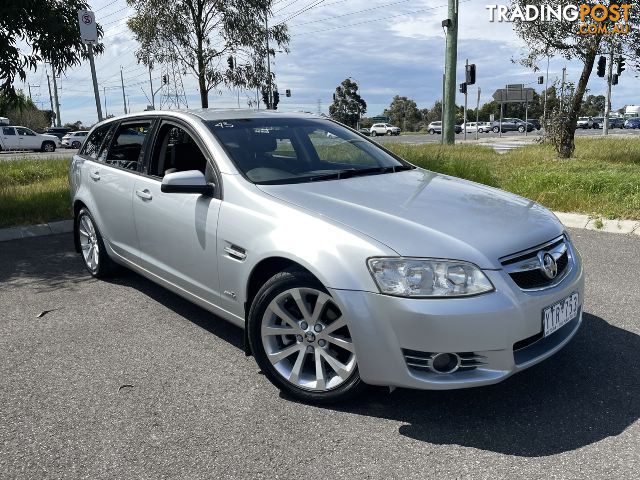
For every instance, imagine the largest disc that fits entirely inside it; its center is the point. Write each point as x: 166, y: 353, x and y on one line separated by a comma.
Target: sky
x: 389, y: 47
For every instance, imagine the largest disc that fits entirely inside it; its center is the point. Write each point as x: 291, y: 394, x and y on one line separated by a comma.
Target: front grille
x: 421, y: 361
x: 525, y: 268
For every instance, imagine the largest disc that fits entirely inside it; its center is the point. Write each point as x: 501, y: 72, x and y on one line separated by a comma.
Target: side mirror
x: 191, y: 181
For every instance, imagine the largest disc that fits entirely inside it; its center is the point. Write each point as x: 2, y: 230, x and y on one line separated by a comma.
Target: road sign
x: 381, y: 119
x: 88, y: 29
x: 514, y: 94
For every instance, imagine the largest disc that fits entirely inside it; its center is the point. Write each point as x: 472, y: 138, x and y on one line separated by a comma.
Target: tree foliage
x: 348, y: 106
x: 50, y: 27
x: 20, y: 110
x: 562, y: 37
x: 199, y: 35
x: 593, y: 106
x: 403, y: 112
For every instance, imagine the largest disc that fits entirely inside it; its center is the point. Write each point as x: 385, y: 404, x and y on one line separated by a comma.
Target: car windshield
x: 295, y: 150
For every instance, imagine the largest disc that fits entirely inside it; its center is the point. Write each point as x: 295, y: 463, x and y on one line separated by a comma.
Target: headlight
x: 427, y: 277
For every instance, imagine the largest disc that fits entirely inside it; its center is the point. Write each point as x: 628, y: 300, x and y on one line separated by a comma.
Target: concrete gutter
x: 571, y: 220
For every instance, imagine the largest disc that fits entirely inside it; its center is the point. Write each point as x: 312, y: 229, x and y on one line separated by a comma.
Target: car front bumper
x: 385, y: 329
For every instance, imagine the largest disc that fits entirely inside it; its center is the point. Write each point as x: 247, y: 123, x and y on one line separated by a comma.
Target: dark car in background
x: 58, y: 131
x: 512, y: 125
x: 535, y: 122
x: 633, y: 122
x: 616, y: 122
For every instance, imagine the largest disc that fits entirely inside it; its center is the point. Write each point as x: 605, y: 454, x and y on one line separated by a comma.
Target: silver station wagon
x: 344, y: 264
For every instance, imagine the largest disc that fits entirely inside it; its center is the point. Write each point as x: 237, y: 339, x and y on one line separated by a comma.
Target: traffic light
x: 165, y: 79
x: 602, y: 64
x: 463, y: 88
x: 470, y: 74
x: 614, y: 79
x: 540, y: 79
x: 287, y: 92
x: 265, y: 97
x: 276, y: 99
x: 231, y: 62
x: 621, y: 65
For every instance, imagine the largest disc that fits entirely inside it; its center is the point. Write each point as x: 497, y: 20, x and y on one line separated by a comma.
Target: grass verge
x: 33, y: 191
x: 603, y: 179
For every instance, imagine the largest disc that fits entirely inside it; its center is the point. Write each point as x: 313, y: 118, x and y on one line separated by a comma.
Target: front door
x: 177, y: 231
x: 29, y: 139
x: 10, y: 141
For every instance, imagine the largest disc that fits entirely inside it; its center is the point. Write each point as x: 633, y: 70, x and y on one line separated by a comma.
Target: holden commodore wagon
x: 344, y: 264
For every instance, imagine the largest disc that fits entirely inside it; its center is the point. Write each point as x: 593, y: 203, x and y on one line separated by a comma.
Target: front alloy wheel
x: 301, y: 339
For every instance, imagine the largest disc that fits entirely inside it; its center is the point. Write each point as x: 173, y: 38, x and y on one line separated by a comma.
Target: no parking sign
x: 88, y: 29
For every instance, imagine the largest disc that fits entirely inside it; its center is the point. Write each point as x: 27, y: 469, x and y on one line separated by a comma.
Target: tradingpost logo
x: 590, y: 19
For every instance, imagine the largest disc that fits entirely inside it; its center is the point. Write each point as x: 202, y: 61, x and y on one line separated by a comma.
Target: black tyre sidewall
x: 277, y: 284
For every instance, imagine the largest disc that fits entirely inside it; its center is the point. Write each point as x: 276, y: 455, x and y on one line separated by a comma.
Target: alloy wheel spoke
x: 83, y: 232
x: 338, y: 367
x: 321, y: 381
x: 284, y: 353
x: 319, y: 307
x: 302, y: 306
x: 282, y: 314
x: 341, y: 342
x: 297, y: 367
x: 278, y: 330
x: 335, y: 325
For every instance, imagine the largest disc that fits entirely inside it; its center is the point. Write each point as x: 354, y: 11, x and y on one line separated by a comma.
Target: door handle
x: 95, y: 175
x: 144, y: 194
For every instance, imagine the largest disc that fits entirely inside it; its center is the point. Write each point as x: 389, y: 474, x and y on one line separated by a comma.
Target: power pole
x: 55, y: 97
x: 153, y: 95
x: 607, y: 106
x: 123, y: 96
x: 269, y: 86
x: 104, y: 94
x: 451, y: 57
x: 466, y: 67
x: 50, y: 97
x: 29, y: 85
x: 477, y: 112
x: 546, y: 88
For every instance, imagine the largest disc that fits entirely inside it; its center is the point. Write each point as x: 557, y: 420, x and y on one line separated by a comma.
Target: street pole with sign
x: 89, y: 35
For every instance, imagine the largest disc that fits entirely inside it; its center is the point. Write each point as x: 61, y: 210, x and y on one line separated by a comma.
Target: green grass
x: 33, y: 191
x: 603, y: 179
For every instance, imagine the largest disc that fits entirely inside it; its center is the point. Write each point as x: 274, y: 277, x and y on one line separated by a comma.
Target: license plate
x: 560, y: 313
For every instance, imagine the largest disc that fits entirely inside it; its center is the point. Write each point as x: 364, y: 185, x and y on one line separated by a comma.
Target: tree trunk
x: 202, y: 85
x: 567, y: 144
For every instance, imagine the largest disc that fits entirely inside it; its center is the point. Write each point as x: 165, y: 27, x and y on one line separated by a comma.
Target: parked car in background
x: 343, y: 269
x: 633, y: 122
x: 58, y: 131
x: 74, y: 139
x: 384, y: 129
x: 585, y: 122
x: 615, y: 122
x: 598, y: 122
x: 436, y: 127
x: 365, y: 131
x: 484, y: 127
x: 470, y: 127
x: 535, y: 122
x: 512, y: 125
x: 22, y: 138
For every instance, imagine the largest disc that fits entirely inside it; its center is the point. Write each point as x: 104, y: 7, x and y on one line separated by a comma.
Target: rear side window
x: 126, y: 146
x: 92, y: 145
x: 8, y: 131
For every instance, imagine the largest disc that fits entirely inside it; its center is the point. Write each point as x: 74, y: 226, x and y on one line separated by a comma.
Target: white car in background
x: 384, y: 129
x: 74, y: 139
x: 473, y: 127
x: 22, y: 138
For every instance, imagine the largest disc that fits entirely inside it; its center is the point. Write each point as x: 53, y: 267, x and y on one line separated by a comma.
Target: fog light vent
x: 442, y: 362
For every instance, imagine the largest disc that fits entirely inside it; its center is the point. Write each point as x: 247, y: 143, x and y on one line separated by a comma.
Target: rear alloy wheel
x: 389, y: 132
x: 496, y: 129
x: 432, y: 131
x: 301, y: 340
x: 373, y: 133
x: 48, y: 147
x: 94, y: 254
x: 75, y: 144
x: 521, y: 129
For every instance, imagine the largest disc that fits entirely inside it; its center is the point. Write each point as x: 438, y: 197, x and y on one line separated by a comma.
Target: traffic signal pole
x: 269, y: 87
x: 607, y: 106
x: 466, y: 67
x: 451, y: 57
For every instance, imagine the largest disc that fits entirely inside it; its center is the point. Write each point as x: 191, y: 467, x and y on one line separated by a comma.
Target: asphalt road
x: 123, y: 379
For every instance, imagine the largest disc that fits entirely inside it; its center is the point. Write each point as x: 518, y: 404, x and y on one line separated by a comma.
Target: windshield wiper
x: 356, y: 172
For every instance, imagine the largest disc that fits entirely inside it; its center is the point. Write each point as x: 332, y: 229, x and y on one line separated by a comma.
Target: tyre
x: 521, y: 129
x: 94, y: 254
x: 75, y: 144
x: 301, y: 340
x: 432, y: 131
x: 389, y: 132
x: 480, y: 130
x: 373, y: 133
x: 48, y: 147
x: 496, y: 129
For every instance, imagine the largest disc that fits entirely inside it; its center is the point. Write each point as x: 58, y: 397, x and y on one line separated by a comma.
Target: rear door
x: 177, y: 231
x: 10, y: 140
x: 112, y: 175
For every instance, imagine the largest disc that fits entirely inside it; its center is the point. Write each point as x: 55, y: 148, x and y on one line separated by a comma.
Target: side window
x: 126, y: 146
x: 8, y: 131
x: 175, y: 151
x: 92, y: 145
x: 25, y: 131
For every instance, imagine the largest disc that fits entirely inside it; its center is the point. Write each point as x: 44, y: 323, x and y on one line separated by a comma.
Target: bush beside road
x: 603, y: 179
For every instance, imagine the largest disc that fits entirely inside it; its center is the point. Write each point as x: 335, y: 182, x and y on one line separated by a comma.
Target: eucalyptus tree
x: 201, y: 35
x: 611, y: 27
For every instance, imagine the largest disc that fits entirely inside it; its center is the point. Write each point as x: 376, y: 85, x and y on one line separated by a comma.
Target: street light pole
x: 269, y: 86
x: 451, y: 56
